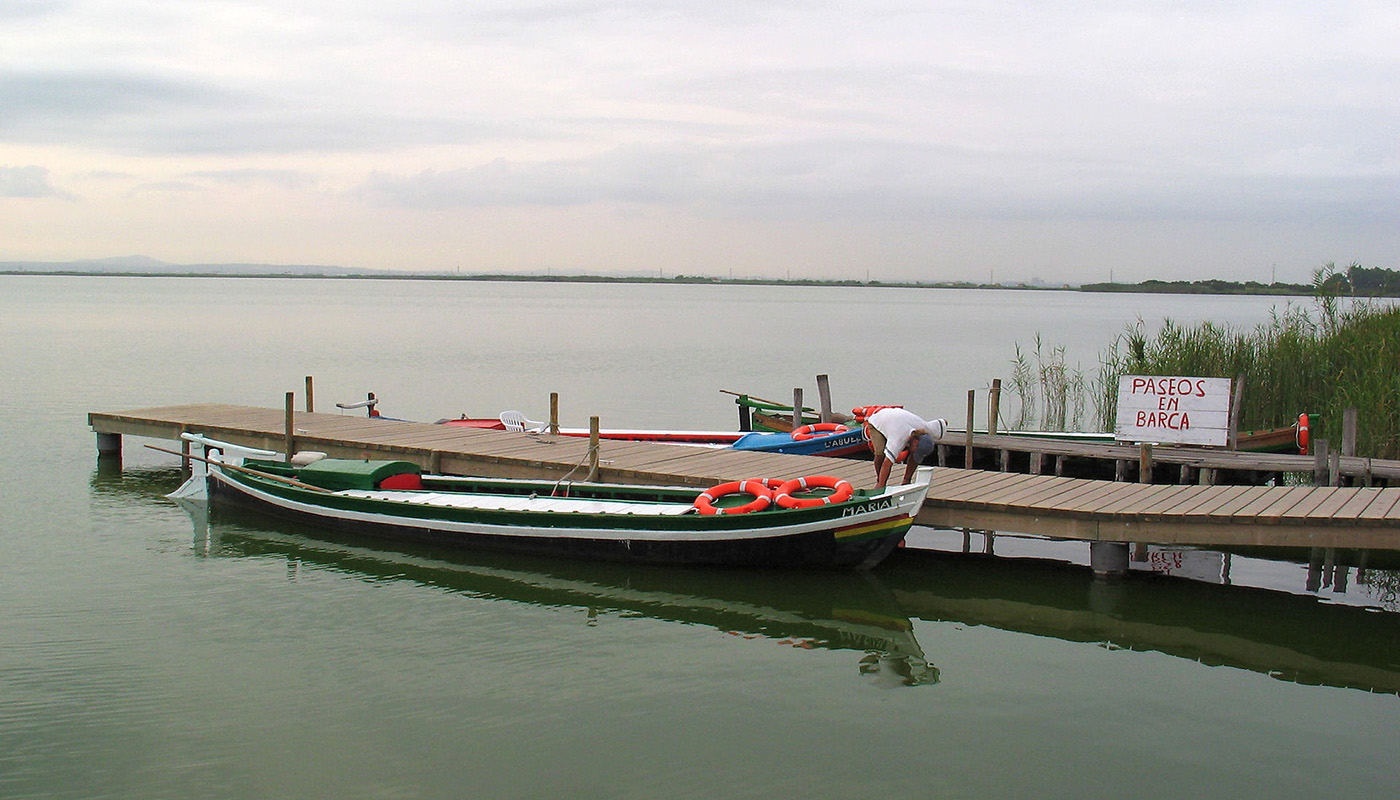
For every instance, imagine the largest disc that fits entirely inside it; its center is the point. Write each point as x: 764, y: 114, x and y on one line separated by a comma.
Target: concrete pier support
x: 1108, y: 559
x: 109, y: 446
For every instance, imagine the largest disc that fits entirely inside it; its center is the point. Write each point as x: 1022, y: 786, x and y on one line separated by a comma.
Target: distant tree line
x: 1370, y: 281
x: 1355, y: 280
x: 1212, y: 286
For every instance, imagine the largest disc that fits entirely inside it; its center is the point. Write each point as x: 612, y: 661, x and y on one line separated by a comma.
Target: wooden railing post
x: 592, y: 449
x: 1320, y: 458
x: 824, y: 397
x: 1236, y: 393
x: 1349, y: 417
x: 971, y: 411
x: 994, y: 406
x: 287, y: 418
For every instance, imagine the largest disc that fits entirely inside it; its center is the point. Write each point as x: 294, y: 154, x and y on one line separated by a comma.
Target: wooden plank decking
x: 1071, y: 508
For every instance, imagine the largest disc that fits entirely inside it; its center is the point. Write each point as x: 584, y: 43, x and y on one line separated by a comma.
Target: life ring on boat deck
x: 1301, y: 434
x: 841, y: 491
x: 817, y: 429
x: 862, y: 413
x: 762, y: 497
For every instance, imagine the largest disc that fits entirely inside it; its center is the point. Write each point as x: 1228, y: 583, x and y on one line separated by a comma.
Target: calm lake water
x: 146, y: 652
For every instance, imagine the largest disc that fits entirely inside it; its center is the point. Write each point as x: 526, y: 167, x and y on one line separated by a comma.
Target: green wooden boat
x: 743, y: 523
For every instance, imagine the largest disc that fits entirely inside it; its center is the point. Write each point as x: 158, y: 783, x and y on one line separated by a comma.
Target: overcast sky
x: 1065, y: 141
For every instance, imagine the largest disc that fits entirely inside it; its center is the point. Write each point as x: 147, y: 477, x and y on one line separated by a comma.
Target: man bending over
x: 894, y: 432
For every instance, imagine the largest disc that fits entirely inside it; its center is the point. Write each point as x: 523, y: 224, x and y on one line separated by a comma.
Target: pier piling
x: 1108, y: 560
x: 109, y: 447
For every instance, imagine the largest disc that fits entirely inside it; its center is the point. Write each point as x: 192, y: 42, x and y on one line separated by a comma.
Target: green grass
x: 1344, y: 354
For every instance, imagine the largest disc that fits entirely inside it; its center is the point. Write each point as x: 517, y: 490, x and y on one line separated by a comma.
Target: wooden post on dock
x: 1319, y: 448
x: 592, y: 449
x: 994, y: 407
x: 310, y: 397
x: 287, y: 418
x: 1236, y: 392
x: 1349, y: 417
x: 796, y: 408
x: 824, y: 397
x: 1145, y: 462
x: 554, y: 412
x: 971, y: 410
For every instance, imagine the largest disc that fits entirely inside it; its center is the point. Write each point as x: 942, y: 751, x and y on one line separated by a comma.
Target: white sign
x: 1173, y: 410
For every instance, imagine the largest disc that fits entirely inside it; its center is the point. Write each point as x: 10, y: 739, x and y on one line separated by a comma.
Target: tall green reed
x: 1050, y: 391
x: 1345, y: 354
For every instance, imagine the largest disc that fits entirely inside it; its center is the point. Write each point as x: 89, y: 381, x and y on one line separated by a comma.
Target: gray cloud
x: 154, y: 115
x: 857, y: 180
x: 28, y: 181
x: 285, y: 178
x: 28, y: 9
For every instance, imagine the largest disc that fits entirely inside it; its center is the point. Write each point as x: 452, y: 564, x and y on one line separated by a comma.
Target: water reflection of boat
x: 1286, y: 636
x: 818, y: 611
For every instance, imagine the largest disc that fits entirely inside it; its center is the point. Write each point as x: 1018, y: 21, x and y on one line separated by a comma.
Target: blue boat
x: 829, y: 439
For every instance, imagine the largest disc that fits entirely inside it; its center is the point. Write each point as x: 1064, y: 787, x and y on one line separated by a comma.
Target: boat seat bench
x: 519, y: 503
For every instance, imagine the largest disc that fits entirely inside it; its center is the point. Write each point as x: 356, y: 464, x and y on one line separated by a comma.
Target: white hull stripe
x: 897, y: 505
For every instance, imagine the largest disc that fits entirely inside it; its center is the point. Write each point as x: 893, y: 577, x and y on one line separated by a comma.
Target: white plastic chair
x: 516, y: 421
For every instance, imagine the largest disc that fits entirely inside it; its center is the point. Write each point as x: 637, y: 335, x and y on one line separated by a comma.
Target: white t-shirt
x: 897, y: 425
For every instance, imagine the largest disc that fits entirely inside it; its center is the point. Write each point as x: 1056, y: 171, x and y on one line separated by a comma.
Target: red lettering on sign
x: 1173, y: 420
x: 1168, y: 387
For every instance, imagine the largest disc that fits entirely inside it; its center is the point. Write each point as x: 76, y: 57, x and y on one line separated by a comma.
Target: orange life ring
x: 841, y: 491
x: 762, y: 497
x: 817, y: 429
x: 861, y: 413
x: 1301, y: 436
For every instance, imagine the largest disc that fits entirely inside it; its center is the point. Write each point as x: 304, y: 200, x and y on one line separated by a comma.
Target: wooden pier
x: 1097, y: 511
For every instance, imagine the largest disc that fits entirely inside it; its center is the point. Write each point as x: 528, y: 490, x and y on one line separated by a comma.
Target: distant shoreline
x: 1147, y: 287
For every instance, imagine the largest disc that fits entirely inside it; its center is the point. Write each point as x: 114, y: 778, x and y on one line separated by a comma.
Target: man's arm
x: 911, y: 463
x: 909, y: 469
x: 882, y: 471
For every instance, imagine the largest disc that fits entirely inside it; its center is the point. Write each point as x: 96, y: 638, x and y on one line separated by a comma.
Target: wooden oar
x: 759, y: 399
x: 236, y: 468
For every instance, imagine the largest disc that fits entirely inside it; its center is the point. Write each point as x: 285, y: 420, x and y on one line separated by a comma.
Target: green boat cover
x: 346, y: 473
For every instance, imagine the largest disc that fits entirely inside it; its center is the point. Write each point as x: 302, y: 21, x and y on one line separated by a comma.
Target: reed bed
x: 1345, y: 354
